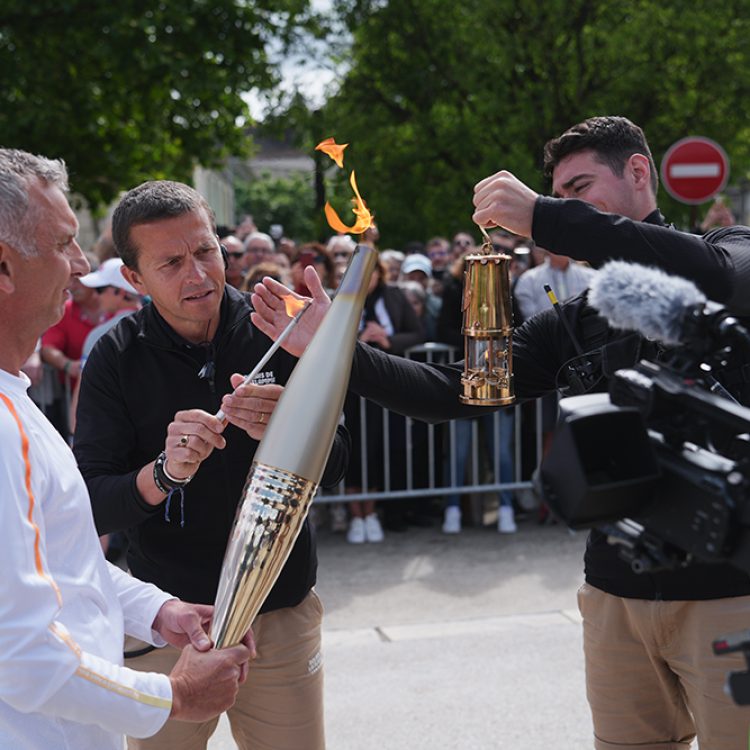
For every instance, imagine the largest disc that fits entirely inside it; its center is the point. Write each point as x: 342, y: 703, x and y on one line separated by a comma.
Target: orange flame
x: 334, y: 150
x: 292, y: 305
x: 360, y: 210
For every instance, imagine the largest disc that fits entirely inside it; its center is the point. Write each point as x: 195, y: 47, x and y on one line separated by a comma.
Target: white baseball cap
x: 108, y: 274
x: 416, y: 262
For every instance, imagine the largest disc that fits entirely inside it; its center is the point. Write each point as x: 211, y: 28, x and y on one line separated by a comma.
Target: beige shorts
x: 652, y: 679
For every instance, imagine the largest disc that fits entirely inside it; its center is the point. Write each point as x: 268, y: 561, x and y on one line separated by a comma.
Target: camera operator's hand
x: 502, y: 200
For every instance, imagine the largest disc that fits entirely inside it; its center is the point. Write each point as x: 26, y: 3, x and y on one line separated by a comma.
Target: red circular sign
x: 694, y: 170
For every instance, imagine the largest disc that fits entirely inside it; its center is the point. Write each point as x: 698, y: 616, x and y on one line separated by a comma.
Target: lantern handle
x: 487, y: 244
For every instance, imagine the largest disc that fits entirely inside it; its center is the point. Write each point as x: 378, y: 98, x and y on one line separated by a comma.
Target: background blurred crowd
x: 413, y: 308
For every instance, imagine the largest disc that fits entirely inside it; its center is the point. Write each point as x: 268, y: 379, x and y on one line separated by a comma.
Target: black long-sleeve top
x: 137, y: 377
x: 719, y: 262
x: 541, y: 346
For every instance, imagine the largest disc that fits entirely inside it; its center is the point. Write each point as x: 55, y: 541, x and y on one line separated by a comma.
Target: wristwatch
x: 164, y: 481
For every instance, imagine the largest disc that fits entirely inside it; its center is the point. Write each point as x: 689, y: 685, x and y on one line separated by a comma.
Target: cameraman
x: 652, y: 681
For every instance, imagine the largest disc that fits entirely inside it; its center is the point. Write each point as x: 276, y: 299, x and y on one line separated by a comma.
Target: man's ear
x: 639, y: 168
x: 134, y: 279
x: 8, y: 259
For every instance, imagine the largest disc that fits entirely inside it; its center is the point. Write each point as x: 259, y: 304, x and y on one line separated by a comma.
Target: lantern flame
x: 334, y: 150
x: 292, y: 305
x: 360, y: 210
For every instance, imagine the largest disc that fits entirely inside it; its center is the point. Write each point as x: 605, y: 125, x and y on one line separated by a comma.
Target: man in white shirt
x: 63, y: 609
x: 565, y: 277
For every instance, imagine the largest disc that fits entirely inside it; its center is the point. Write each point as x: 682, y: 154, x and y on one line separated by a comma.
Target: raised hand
x: 502, y: 200
x: 270, y: 314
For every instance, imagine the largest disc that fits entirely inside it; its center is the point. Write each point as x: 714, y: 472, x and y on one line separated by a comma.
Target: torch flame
x: 360, y: 210
x: 334, y: 150
x: 292, y: 305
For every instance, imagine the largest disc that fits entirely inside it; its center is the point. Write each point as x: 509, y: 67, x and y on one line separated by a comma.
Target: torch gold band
x: 272, y: 510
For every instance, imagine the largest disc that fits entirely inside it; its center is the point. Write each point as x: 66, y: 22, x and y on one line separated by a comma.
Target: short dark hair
x: 612, y: 139
x: 152, y: 201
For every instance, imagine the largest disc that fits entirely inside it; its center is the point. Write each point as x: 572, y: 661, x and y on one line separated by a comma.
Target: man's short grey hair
x: 263, y: 237
x: 18, y: 216
x: 341, y: 239
x: 388, y: 255
x: 149, y: 202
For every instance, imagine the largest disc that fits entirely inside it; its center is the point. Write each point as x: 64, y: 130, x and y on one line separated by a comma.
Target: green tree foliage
x: 279, y: 200
x: 133, y: 90
x: 441, y: 94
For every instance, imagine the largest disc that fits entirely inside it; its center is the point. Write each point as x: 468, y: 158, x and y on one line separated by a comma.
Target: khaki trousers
x: 280, y: 706
x: 652, y: 679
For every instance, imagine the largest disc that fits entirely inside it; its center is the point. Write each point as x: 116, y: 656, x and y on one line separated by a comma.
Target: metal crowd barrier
x: 50, y: 393
x: 442, y: 446
x: 441, y: 481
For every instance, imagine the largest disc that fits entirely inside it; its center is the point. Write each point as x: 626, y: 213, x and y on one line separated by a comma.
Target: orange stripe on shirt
x: 30, y: 494
x: 106, y: 682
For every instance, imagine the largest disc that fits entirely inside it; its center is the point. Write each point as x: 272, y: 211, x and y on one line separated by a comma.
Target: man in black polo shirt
x: 162, y: 467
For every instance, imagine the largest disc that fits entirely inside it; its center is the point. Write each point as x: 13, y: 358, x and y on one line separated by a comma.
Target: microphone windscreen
x: 637, y: 298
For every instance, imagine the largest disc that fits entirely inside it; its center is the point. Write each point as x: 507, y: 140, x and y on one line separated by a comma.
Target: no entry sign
x: 694, y: 170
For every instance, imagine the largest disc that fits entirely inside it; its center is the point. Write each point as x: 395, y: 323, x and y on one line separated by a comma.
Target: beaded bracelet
x: 164, y: 481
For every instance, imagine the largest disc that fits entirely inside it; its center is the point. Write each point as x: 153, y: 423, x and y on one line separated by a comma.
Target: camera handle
x: 738, y: 683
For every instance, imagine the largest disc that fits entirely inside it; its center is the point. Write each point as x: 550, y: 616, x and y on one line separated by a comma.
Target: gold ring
x: 184, y: 440
x: 262, y: 417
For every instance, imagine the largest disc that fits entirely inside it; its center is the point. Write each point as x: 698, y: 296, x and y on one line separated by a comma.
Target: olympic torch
x: 290, y: 460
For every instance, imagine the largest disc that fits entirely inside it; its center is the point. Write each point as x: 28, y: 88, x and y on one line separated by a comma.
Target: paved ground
x: 451, y: 643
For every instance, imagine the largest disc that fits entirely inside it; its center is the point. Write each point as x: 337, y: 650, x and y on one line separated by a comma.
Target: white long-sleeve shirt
x: 566, y: 282
x: 63, y: 608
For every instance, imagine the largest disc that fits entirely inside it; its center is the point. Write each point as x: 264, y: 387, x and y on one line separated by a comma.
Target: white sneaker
x: 338, y: 518
x: 373, y: 529
x: 506, y: 523
x: 356, y: 533
x: 452, y: 520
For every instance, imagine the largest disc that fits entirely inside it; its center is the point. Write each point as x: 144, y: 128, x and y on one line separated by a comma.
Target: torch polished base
x: 268, y: 521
